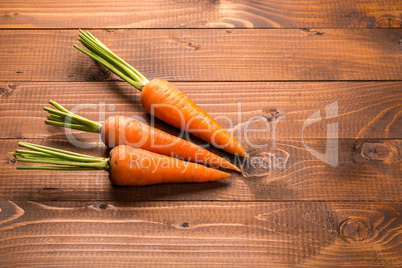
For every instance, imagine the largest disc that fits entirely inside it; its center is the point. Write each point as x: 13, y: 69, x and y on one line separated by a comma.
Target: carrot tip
x: 237, y: 169
x: 225, y: 175
x: 246, y: 155
x: 232, y: 167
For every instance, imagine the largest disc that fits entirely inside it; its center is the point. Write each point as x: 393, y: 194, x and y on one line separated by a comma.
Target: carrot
x: 163, y: 100
x: 121, y: 130
x: 126, y: 166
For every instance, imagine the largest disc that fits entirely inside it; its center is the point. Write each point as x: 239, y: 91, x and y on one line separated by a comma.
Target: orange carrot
x: 121, y: 130
x: 126, y: 166
x: 163, y: 100
x: 132, y: 167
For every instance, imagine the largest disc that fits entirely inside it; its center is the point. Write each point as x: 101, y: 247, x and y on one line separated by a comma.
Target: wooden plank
x: 365, y: 170
x: 201, y: 14
x: 208, y: 54
x: 373, y: 112
x: 200, y: 234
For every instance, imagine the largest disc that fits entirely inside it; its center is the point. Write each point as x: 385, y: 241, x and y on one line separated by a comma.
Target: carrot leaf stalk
x: 103, y: 55
x: 61, y: 159
x: 64, y: 118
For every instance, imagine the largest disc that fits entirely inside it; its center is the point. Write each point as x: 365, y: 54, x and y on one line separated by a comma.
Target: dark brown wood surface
x: 292, y: 60
x: 201, y: 14
x: 209, y: 54
x: 365, y: 109
x: 199, y: 234
x: 362, y: 174
x: 25, y: 120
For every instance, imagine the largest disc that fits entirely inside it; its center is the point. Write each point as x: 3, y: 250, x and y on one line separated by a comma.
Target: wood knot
x: 388, y: 21
x: 388, y: 151
x: 7, y: 90
x: 264, y: 163
x: 184, y: 225
x: 12, y: 161
x: 312, y: 31
x: 101, y: 206
x: 185, y: 41
x: 195, y: 46
x: 11, y: 14
x: 101, y: 75
x: 354, y: 230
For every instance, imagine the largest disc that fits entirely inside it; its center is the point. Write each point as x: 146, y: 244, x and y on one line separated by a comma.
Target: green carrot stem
x: 109, y: 66
x: 32, y: 156
x: 64, y: 156
x: 52, y: 151
x: 97, y: 47
x: 63, y: 160
x: 72, y: 126
x: 123, y: 62
x: 56, y: 118
x: 57, y: 168
x: 19, y: 151
x: 102, y: 54
x: 70, y: 117
x: 26, y: 152
x: 58, y: 106
x: 28, y: 157
x: 64, y: 118
x: 109, y: 56
x: 74, y: 119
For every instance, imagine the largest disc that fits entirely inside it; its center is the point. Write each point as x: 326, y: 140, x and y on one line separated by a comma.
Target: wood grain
x: 199, y: 234
x: 208, y: 54
x: 201, y: 14
x: 303, y: 200
x: 366, y: 110
x: 367, y: 170
x: 365, y: 122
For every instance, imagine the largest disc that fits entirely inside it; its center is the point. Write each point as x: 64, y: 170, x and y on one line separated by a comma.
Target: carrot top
x: 61, y: 159
x: 102, y: 54
x: 64, y: 118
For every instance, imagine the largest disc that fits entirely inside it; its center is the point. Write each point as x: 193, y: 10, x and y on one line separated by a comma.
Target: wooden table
x: 306, y: 67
